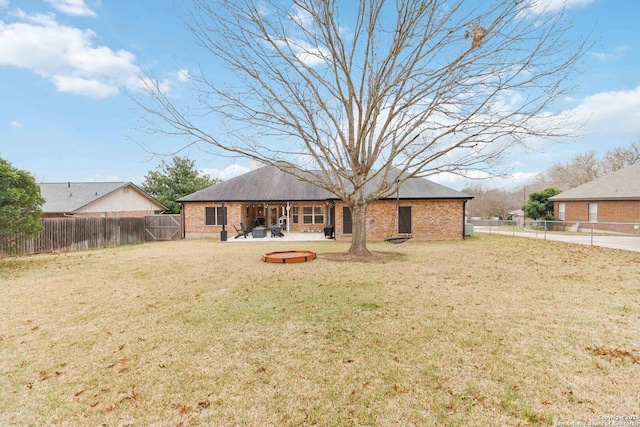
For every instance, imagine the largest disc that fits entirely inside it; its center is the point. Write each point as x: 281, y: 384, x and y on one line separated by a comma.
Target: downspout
x: 182, y: 219
x: 464, y: 219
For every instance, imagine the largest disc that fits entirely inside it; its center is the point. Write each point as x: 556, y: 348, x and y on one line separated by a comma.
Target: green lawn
x: 493, y: 330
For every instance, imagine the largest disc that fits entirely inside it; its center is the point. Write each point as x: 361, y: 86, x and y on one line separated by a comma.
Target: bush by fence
x: 76, y: 234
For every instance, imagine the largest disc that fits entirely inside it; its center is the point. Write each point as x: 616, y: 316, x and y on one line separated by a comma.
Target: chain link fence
x: 620, y: 235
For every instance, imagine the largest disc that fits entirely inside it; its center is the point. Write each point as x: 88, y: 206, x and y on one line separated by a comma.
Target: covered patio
x: 288, y: 237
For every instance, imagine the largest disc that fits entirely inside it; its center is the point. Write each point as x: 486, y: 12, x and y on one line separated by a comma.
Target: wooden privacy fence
x: 77, y: 234
x: 163, y: 227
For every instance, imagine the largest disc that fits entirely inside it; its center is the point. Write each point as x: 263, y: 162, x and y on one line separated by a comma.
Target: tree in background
x: 539, y: 205
x: 20, y: 206
x: 621, y: 157
x: 494, y: 202
x: 585, y: 167
x: 359, y: 96
x: 170, y: 182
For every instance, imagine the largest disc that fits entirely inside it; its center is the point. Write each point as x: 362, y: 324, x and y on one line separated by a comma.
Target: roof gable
x: 70, y: 197
x: 269, y: 183
x: 623, y: 184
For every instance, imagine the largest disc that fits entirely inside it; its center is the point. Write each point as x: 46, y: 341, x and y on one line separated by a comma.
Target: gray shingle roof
x: 623, y: 184
x: 68, y: 197
x: 271, y: 184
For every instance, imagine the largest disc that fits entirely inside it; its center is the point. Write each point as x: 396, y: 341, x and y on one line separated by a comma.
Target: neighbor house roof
x: 269, y: 183
x: 623, y: 184
x: 70, y: 197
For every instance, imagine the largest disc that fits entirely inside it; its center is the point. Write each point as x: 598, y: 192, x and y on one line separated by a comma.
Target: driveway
x: 627, y: 243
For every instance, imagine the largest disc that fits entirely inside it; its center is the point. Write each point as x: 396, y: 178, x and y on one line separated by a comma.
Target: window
x: 213, y: 216
x: 313, y: 215
x: 561, y: 210
x: 404, y: 219
x: 593, y: 212
x: 347, y: 224
x: 294, y: 214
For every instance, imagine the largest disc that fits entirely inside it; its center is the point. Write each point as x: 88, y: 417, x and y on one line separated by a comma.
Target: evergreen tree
x: 20, y: 206
x: 539, y: 205
x: 170, y: 182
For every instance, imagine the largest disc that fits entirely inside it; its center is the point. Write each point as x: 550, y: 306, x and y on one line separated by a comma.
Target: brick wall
x: 430, y: 219
x: 608, y: 210
x: 194, y: 218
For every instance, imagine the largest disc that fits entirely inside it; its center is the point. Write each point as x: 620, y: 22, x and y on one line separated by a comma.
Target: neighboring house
x: 518, y: 216
x: 614, y: 197
x: 97, y: 199
x: 267, y: 196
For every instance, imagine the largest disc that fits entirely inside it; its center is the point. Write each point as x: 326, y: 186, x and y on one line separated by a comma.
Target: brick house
x: 613, y: 198
x: 269, y: 197
x: 97, y: 199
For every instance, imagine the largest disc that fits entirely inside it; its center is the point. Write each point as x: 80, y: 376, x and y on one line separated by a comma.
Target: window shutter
x: 404, y: 219
x: 347, y: 224
x: 210, y: 216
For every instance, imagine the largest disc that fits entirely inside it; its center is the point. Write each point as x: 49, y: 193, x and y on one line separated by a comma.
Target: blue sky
x: 65, y: 63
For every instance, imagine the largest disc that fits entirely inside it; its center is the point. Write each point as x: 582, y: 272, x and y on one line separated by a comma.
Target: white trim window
x: 593, y: 212
x: 313, y: 215
x: 561, y: 211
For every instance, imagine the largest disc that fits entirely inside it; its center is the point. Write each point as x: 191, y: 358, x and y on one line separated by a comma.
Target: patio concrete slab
x: 288, y: 237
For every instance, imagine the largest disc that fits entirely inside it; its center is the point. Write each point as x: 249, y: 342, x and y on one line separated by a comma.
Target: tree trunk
x: 359, y: 228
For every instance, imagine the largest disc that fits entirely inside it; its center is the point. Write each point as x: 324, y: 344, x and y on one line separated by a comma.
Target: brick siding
x: 608, y: 210
x: 431, y: 219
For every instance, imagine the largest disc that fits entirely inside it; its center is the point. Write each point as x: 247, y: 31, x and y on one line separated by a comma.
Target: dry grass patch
x: 490, y: 331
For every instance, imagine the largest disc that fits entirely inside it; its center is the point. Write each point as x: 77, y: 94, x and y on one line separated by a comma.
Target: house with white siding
x: 97, y: 199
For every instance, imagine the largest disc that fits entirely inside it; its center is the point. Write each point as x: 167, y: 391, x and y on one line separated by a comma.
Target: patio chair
x: 276, y: 232
x: 243, y: 232
x: 244, y: 228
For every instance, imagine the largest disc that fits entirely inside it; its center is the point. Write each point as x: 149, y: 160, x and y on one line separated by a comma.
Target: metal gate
x: 163, y: 227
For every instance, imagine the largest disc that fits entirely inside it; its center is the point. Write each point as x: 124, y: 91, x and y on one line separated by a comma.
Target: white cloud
x: 72, y: 7
x: 228, y: 172
x: 609, y: 56
x: 511, y: 181
x: 541, y: 7
x: 306, y: 53
x: 4, y: 3
x: 184, y: 76
x: 68, y: 57
x: 86, y: 87
x: 17, y: 125
x: 614, y: 113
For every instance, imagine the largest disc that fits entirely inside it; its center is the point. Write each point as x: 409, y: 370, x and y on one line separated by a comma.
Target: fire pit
x: 289, y: 257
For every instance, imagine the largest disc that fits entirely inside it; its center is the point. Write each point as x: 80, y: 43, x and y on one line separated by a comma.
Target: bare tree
x: 356, y: 96
x: 581, y: 169
x: 494, y: 202
x: 621, y: 157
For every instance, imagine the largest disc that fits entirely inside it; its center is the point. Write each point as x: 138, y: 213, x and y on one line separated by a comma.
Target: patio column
x: 288, y: 216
